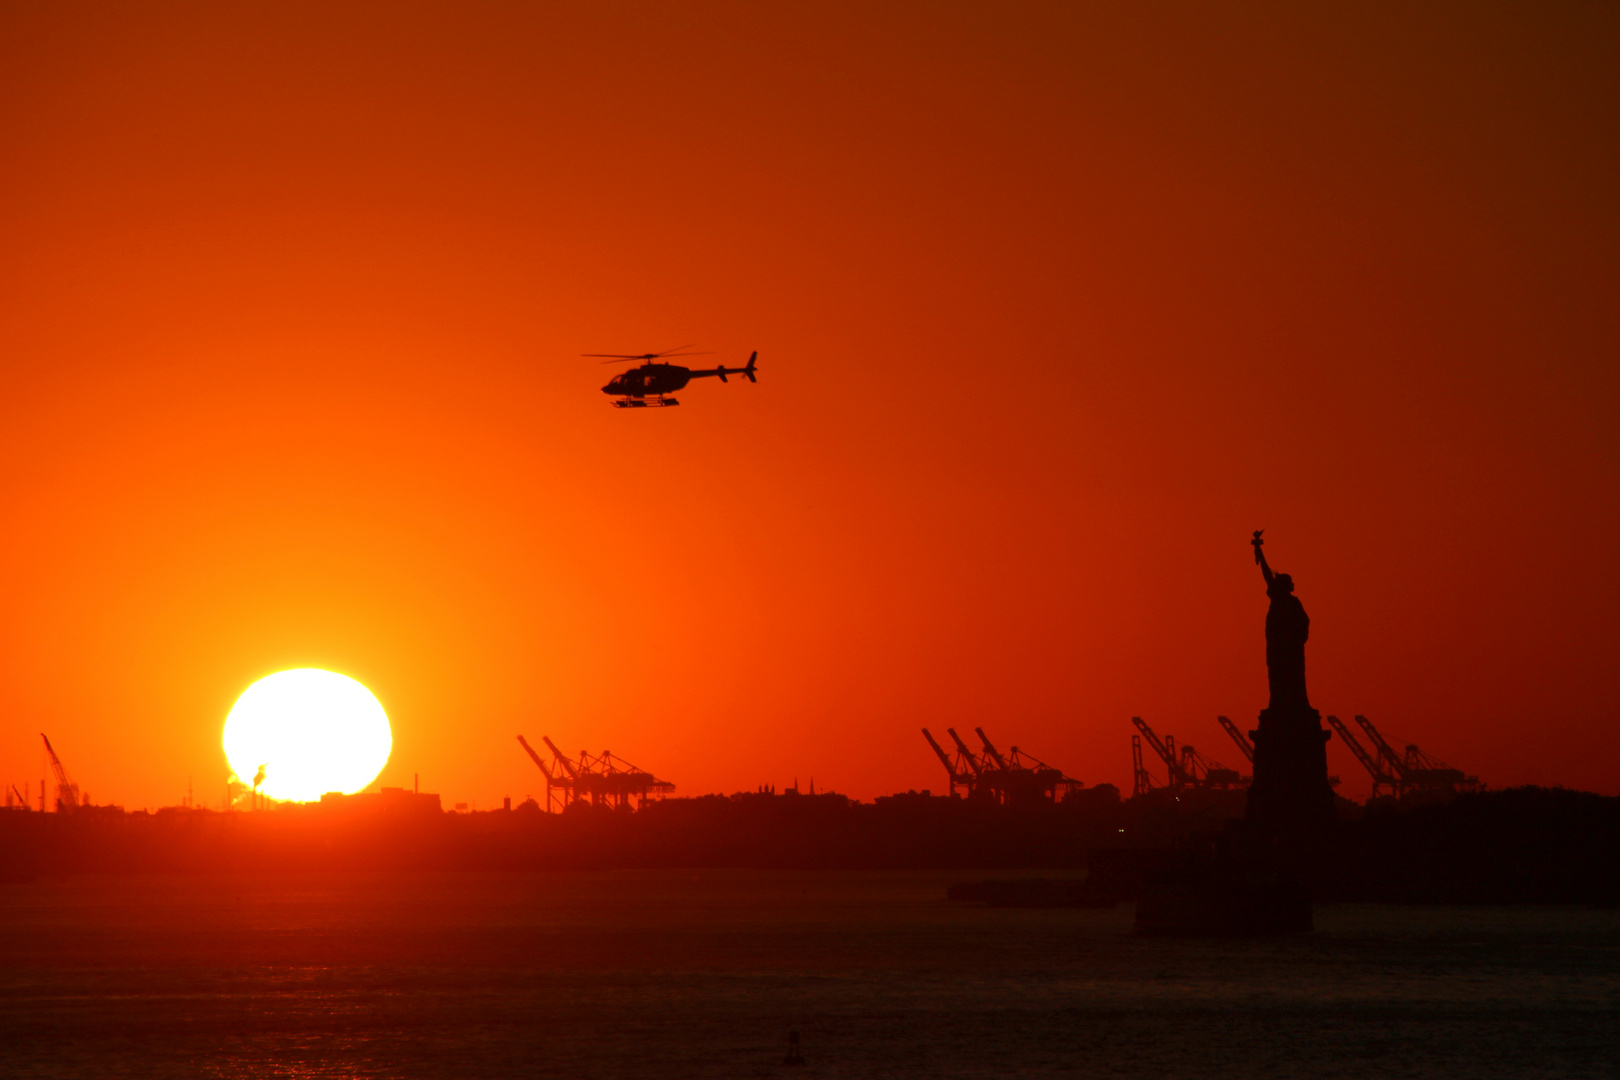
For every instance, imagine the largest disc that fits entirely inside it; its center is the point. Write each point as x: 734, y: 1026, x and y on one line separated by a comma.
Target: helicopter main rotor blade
x: 645, y: 356
x: 679, y: 350
x: 640, y: 356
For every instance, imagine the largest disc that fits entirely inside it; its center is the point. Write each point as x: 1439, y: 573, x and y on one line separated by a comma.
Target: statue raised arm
x: 1260, y: 557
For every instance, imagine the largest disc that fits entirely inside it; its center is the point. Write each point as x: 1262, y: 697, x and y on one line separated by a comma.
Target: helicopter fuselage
x: 649, y: 379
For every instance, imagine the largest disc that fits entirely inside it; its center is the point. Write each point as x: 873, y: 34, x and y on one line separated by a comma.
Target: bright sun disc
x: 313, y: 731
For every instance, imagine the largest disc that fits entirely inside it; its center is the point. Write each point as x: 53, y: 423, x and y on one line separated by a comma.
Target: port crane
x: 603, y: 780
x: 967, y: 770
x: 1376, y: 767
x: 1204, y: 772
x: 1165, y: 750
x: 544, y: 769
x: 1023, y: 778
x: 1414, y: 774
x: 961, y: 773
x: 964, y: 754
x: 1144, y: 779
x: 1186, y: 768
x: 1385, y: 756
x: 1015, y: 778
x: 67, y: 792
x: 1426, y: 773
x: 1242, y: 740
x: 990, y: 749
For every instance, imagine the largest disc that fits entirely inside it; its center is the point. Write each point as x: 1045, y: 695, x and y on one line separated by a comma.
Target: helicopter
x: 658, y: 380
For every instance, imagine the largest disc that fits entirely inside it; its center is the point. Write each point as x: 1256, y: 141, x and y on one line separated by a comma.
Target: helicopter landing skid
x: 643, y: 403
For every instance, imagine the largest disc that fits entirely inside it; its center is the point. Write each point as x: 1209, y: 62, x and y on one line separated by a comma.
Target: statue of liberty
x: 1287, y: 630
x: 1290, y: 785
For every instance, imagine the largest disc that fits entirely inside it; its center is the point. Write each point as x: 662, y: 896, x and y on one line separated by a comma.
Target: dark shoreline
x: 1521, y: 845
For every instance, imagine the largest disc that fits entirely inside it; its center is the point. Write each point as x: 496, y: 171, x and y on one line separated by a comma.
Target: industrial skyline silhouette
x: 1056, y: 304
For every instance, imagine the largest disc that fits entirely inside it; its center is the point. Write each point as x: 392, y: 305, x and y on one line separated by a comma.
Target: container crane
x: 1187, y: 767
x: 1207, y: 772
x: 1017, y: 779
x: 612, y: 780
x: 967, y: 755
x: 1380, y: 778
x: 1018, y: 759
x: 1027, y: 779
x: 1165, y: 749
x: 1389, y: 762
x: 67, y: 792
x: 562, y: 758
x: 1429, y: 775
x: 1144, y: 779
x: 990, y: 749
x: 1238, y: 737
x: 959, y: 772
x: 603, y: 780
x: 1415, y: 772
x: 544, y: 768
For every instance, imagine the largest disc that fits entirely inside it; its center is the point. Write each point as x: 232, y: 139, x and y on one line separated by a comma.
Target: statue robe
x: 1287, y: 628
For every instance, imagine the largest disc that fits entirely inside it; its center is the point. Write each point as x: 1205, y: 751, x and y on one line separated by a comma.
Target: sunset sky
x: 1054, y: 305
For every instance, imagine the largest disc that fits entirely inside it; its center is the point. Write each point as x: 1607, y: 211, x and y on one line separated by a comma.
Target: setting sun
x: 312, y: 731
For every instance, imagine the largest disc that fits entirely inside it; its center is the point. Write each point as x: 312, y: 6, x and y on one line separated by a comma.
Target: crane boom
x: 1143, y: 778
x: 562, y: 757
x: 1392, y: 761
x: 990, y: 748
x: 1366, y: 759
x: 1166, y: 752
x: 1243, y: 743
x: 944, y: 758
x: 537, y: 759
x: 973, y: 762
x: 67, y: 792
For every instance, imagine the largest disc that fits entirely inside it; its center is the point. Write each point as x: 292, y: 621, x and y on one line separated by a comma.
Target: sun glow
x: 313, y: 731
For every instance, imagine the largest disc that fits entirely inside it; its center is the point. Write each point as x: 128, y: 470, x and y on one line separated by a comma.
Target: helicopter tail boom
x: 722, y: 371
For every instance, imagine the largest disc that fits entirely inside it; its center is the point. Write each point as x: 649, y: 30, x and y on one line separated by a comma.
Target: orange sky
x: 1054, y: 305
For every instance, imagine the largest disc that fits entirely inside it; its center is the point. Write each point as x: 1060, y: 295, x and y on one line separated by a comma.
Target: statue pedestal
x: 1290, y: 790
x: 1257, y: 877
